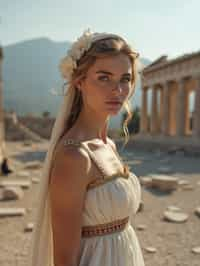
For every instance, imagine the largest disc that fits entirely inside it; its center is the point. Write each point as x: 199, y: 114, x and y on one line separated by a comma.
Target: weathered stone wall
x: 27, y: 128
x: 41, y: 126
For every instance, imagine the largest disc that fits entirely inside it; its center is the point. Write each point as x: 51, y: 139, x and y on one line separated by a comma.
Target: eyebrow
x: 109, y: 73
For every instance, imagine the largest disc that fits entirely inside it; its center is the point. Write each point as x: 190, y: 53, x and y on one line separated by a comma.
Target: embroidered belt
x: 104, y: 229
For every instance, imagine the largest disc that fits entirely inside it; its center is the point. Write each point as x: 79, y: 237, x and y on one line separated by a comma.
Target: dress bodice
x: 113, y: 200
x: 110, y: 199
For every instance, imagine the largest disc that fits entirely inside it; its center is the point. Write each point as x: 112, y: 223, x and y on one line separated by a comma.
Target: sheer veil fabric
x: 41, y: 253
x: 41, y: 247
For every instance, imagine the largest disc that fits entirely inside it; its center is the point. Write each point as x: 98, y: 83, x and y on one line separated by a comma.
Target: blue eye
x: 107, y: 78
x: 127, y: 79
x: 103, y: 78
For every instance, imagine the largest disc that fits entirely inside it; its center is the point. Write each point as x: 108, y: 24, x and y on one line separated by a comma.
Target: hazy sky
x: 154, y: 27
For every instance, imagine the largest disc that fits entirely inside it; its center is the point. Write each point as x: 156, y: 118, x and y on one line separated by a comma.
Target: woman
x: 88, y: 196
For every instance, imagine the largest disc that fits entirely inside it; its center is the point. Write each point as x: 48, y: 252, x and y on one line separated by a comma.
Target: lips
x: 114, y: 102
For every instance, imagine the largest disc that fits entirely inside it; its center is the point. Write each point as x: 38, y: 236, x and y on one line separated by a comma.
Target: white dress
x: 115, y: 199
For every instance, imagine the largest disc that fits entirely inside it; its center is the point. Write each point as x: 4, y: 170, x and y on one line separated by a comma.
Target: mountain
x: 30, y: 71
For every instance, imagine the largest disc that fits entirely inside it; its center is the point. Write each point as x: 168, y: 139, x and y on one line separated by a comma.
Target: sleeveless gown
x: 112, y: 200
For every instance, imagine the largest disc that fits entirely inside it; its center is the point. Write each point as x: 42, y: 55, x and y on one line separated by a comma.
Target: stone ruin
x: 171, y: 83
x: 2, y: 130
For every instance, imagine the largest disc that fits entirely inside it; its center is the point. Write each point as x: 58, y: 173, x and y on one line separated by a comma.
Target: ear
x: 79, y: 85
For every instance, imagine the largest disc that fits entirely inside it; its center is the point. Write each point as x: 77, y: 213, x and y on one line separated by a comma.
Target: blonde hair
x: 41, y: 252
x: 99, y: 49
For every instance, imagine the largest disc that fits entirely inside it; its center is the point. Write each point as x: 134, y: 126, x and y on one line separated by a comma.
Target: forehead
x: 116, y: 64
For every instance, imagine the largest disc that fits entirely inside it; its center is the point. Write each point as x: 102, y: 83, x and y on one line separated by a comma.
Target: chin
x: 113, y: 112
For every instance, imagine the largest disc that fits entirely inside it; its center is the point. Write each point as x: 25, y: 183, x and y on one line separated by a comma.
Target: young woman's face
x: 107, y: 84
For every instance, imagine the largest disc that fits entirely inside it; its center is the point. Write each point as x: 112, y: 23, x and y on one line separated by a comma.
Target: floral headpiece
x: 69, y: 62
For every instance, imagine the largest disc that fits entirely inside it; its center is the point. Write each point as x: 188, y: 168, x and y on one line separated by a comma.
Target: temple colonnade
x: 171, y: 83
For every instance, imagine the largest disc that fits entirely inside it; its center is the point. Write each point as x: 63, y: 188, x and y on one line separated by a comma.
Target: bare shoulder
x: 70, y: 161
x: 67, y: 195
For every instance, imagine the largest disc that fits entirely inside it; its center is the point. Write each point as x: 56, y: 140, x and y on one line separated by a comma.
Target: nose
x: 117, y: 87
x: 120, y: 89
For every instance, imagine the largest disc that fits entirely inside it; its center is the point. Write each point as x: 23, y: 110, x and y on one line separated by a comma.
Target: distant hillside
x: 30, y: 70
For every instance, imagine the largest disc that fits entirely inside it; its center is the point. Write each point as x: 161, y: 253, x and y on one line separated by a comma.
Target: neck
x: 92, y: 125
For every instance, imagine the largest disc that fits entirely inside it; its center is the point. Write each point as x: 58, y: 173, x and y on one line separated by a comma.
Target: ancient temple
x: 170, y: 84
x: 2, y: 134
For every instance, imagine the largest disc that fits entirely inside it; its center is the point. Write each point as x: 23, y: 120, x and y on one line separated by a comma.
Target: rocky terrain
x: 167, y: 223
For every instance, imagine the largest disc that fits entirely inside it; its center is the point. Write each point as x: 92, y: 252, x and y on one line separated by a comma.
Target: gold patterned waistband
x: 104, y: 229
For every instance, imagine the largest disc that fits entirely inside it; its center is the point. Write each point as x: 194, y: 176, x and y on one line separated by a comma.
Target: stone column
x: 1, y: 88
x: 2, y: 131
x: 144, y: 112
x: 196, y: 121
x: 161, y: 109
x: 187, y: 111
x: 165, y: 121
x: 180, y: 116
x: 154, y: 111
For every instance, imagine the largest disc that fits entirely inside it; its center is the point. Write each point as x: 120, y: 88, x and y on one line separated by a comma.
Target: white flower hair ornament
x: 69, y: 63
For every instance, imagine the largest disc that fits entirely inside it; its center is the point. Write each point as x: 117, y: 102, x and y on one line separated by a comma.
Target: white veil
x: 41, y: 247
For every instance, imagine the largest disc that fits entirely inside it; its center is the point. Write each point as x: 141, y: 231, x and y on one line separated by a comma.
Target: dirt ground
x: 173, y: 242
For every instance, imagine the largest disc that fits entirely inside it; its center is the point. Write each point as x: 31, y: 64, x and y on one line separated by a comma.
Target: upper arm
x: 67, y: 193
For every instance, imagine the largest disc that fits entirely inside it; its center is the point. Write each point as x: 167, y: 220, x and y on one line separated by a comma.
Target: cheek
x: 98, y: 90
x: 94, y: 94
x: 99, y: 85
